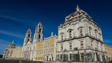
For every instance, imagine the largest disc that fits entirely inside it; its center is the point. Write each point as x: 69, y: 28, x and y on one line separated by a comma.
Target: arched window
x: 39, y: 30
x: 61, y: 34
x: 96, y: 33
x: 39, y: 36
x: 28, y: 35
x: 90, y: 31
x: 39, y: 26
x: 80, y: 30
x: 70, y: 34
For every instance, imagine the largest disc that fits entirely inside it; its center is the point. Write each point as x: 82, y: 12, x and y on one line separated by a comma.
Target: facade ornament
x: 52, y: 33
x: 77, y: 8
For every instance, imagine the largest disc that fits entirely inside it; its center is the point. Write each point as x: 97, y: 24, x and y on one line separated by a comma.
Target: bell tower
x: 27, y: 37
x: 38, y: 33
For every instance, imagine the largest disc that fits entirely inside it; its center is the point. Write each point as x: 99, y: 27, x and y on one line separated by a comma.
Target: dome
x: 12, y: 45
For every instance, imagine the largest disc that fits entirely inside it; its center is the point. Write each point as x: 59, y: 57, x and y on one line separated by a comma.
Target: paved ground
x: 18, y: 61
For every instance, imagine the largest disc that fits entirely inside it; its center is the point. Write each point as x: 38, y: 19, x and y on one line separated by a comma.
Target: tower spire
x: 29, y: 30
x: 77, y: 8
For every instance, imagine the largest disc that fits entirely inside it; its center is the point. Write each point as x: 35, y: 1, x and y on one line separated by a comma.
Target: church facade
x: 79, y: 40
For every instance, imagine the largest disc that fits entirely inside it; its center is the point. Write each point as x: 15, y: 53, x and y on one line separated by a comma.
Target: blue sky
x: 16, y: 16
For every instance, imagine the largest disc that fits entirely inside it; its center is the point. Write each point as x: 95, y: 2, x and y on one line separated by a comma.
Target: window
x: 39, y: 36
x: 70, y: 34
x: 62, y: 37
x: 82, y: 56
x: 81, y: 44
x: 70, y: 45
x: 70, y: 56
x: 95, y: 33
x: 39, y: 30
x: 90, y: 31
x: 80, y: 29
x: 61, y: 46
x: 28, y: 35
x: 60, y: 56
x: 92, y: 43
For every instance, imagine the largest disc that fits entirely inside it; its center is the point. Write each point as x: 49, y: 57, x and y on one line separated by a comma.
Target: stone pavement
x: 18, y: 61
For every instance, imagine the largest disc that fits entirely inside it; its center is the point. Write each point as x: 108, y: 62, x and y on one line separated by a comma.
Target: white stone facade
x: 80, y: 39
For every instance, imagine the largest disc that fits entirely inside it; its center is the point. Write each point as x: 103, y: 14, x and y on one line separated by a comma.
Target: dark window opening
x: 39, y: 30
x: 28, y: 35
x: 39, y: 36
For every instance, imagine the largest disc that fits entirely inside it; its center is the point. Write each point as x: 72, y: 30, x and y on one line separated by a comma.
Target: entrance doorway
x: 47, y: 58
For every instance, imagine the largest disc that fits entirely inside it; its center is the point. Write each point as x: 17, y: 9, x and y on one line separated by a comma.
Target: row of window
x: 44, y: 52
x: 81, y: 33
x: 96, y: 45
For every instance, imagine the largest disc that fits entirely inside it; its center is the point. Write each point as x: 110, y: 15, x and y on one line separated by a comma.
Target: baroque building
x: 79, y: 40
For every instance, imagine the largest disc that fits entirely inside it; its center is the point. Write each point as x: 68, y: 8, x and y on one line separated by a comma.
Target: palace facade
x: 79, y: 40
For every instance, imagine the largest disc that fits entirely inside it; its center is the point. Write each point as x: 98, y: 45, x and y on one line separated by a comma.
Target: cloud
x: 11, y: 34
x: 19, y: 20
x: 107, y: 41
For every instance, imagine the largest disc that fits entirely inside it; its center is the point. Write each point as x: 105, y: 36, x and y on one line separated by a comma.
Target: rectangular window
x: 70, y: 45
x: 60, y: 56
x: 61, y: 46
x: 61, y: 37
x: 82, y: 56
x: 70, y: 36
x: 81, y: 44
x: 70, y: 56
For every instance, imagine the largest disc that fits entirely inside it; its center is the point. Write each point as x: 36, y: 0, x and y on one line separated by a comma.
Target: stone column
x: 95, y: 57
x: 80, y: 56
x: 68, y: 57
x: 101, y: 58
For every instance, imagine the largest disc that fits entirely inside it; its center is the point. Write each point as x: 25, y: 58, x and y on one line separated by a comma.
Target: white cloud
x: 19, y: 20
x: 11, y: 34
